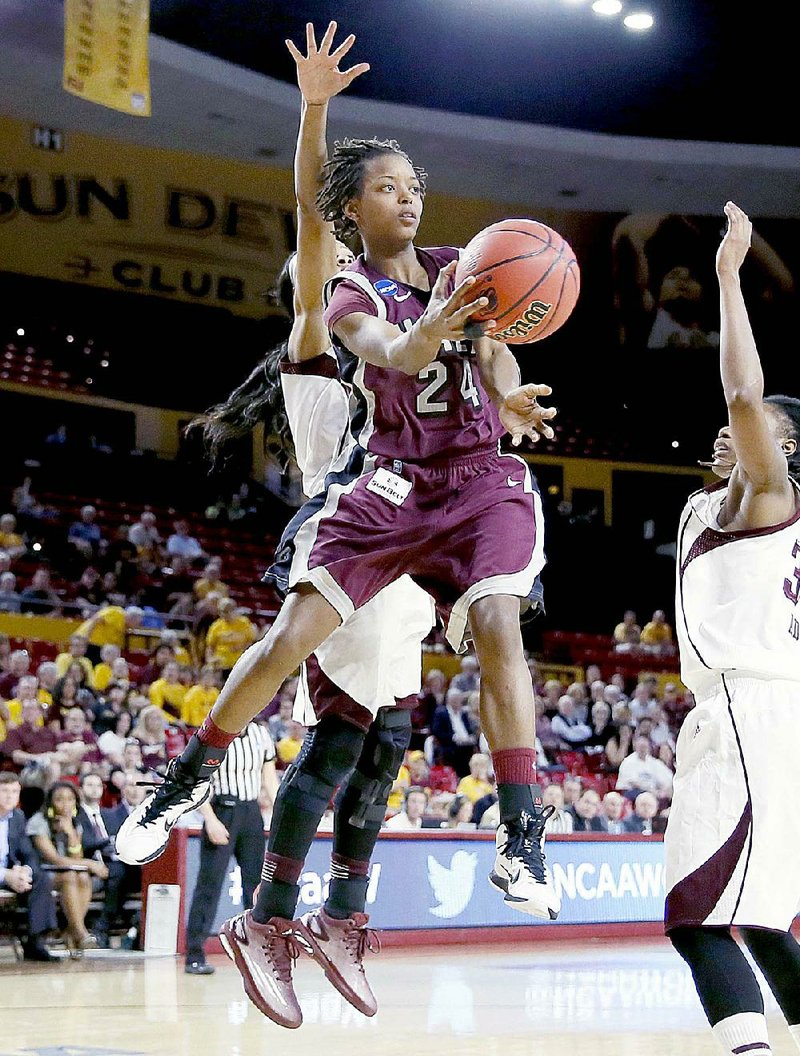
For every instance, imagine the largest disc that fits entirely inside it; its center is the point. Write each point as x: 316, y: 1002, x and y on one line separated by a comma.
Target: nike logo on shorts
x: 403, y: 296
x: 513, y: 483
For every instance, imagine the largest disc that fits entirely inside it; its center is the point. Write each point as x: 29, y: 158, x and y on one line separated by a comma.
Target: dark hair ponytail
x: 258, y: 399
x: 790, y: 407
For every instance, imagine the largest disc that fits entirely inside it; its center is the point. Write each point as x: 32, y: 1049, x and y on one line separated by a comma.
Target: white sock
x: 744, y: 1034
x: 795, y: 1032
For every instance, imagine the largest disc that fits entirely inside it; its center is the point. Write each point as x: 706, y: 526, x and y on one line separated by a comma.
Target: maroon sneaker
x: 265, y: 955
x: 338, y: 946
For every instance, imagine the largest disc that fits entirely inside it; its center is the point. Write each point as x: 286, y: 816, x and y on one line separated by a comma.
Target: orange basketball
x: 530, y: 275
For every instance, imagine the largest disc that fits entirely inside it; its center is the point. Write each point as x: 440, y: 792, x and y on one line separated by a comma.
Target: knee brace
x: 364, y: 798
x: 329, y: 754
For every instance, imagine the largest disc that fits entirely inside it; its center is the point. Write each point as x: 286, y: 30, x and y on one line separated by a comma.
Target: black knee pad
x: 364, y: 798
x: 328, y: 756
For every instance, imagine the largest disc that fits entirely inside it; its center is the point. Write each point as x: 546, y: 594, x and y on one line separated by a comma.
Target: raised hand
x: 735, y: 242
x: 318, y: 75
x: 522, y: 416
x: 447, y: 315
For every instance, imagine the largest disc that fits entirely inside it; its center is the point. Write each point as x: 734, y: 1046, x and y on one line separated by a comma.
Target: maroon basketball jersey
x: 440, y: 413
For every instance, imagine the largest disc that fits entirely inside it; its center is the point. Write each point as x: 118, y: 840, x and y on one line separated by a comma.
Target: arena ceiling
x: 514, y: 100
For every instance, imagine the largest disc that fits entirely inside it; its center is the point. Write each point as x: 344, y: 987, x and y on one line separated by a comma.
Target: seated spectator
x: 675, y: 704
x: 544, y: 726
x: 288, y: 747
x: 85, y: 535
x: 552, y: 692
x: 76, y: 653
x: 65, y: 697
x: 561, y: 820
x: 453, y: 728
x: 580, y: 698
x: 110, y: 591
x: 132, y: 763
x: 645, y: 809
x: 27, y: 690
x: 168, y: 692
x: 431, y: 695
x: 175, y: 593
x: 642, y: 772
x: 572, y: 789
x: 278, y: 723
x: 644, y: 704
x: 145, y: 536
x: 179, y: 651
x: 628, y: 633
x: 181, y: 544
x: 150, y: 731
x: 459, y: 814
x: 415, y: 803
x: 9, y: 598
x: 441, y: 777
x: 659, y: 732
x: 48, y: 679
x: 112, y: 742
x: 477, y: 783
x: 27, y: 507
x: 571, y: 732
x: 210, y: 580
x: 21, y: 873
x: 585, y: 812
x: 469, y: 677
x: 110, y: 626
x: 602, y: 727
x: 200, y: 698
x: 10, y: 540
x: 77, y: 744
x: 162, y: 655
x: 73, y: 855
x: 228, y: 637
x: 657, y: 635
x: 40, y: 598
x: 124, y: 880
x: 612, y: 810
x: 87, y: 592
x: 102, y: 673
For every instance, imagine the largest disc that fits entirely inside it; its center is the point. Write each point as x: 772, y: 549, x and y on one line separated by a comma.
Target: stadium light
x: 20, y: 332
x: 70, y: 339
x: 638, y: 21
x: 607, y: 7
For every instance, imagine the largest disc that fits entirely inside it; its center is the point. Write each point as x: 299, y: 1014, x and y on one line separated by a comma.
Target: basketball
x: 530, y: 275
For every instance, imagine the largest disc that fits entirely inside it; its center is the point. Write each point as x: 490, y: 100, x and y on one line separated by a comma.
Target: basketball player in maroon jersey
x: 434, y: 499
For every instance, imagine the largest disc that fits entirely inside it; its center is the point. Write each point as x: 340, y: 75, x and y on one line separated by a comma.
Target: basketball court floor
x: 598, y: 998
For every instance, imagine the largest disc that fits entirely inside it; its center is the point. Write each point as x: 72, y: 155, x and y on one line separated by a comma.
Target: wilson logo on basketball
x: 533, y: 316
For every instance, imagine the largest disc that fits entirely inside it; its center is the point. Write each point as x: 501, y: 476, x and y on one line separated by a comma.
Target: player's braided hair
x: 344, y: 177
x: 258, y: 399
x: 790, y: 407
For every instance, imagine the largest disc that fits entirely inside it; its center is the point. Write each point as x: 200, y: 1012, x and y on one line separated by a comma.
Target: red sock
x: 515, y: 766
x: 211, y: 735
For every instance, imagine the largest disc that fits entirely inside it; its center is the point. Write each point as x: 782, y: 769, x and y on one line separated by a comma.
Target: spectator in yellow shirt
x: 200, y: 698
x: 477, y: 784
x: 210, y: 581
x: 27, y: 689
x: 628, y: 633
x: 228, y: 637
x: 10, y: 540
x: 110, y: 626
x: 168, y: 692
x: 288, y: 747
x: 103, y: 673
x: 171, y: 639
x: 657, y: 634
x: 76, y: 653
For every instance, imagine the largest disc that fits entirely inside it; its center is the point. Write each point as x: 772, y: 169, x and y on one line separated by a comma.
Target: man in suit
x: 645, y: 809
x: 453, y: 728
x: 20, y: 871
x: 124, y: 880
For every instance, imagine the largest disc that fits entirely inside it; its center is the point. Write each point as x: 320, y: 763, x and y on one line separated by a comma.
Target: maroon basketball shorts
x: 462, y: 529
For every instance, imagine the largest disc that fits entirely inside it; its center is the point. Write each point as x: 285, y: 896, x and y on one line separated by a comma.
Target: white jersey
x: 737, y: 595
x: 375, y: 656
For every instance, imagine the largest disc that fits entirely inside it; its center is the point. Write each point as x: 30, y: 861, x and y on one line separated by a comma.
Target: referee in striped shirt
x: 232, y: 826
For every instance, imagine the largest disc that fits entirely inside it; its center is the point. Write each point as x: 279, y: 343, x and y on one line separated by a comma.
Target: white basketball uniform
x: 375, y: 655
x: 733, y: 836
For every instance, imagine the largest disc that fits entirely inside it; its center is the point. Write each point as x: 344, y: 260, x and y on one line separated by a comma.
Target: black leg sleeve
x: 777, y: 954
x: 726, y: 984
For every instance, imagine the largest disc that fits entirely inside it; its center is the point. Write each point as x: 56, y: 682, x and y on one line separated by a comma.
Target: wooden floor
x: 602, y: 998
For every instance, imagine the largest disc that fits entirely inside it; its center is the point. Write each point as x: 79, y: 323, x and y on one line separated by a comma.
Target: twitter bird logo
x: 453, y: 886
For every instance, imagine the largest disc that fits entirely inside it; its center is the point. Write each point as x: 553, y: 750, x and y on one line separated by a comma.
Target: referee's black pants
x: 246, y: 843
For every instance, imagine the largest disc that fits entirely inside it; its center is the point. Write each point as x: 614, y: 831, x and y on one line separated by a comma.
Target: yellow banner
x: 105, y: 53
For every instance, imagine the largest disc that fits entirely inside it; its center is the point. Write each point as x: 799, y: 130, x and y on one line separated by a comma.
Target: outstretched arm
x: 759, y: 458
x: 319, y: 79
x: 516, y: 403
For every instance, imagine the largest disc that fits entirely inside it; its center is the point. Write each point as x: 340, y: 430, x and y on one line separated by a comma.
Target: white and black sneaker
x: 520, y: 870
x: 145, y: 832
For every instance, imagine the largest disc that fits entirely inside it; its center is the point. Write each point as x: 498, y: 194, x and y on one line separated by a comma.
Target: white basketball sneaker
x: 520, y: 870
x: 145, y: 832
